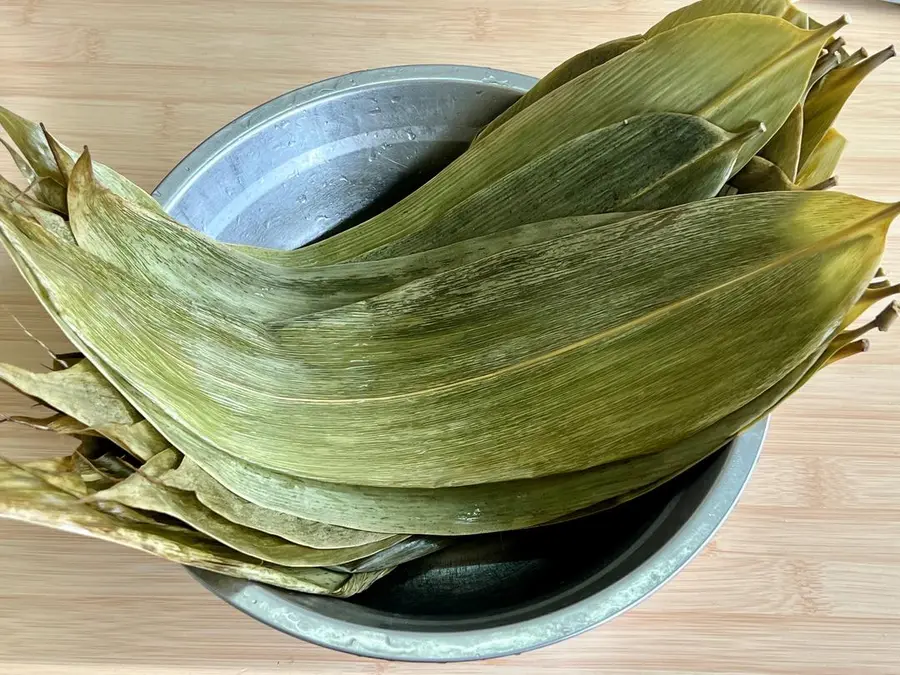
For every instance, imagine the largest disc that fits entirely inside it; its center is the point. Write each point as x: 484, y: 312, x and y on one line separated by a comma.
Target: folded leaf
x: 59, y: 424
x: 140, y: 439
x: 83, y: 394
x: 761, y: 175
x: 37, y: 165
x: 16, y: 200
x: 400, y: 553
x: 823, y: 160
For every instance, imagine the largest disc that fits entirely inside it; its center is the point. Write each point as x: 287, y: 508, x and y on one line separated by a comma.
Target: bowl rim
x: 267, y: 606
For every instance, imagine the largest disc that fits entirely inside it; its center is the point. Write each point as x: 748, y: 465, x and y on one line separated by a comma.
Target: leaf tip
x: 825, y: 32
x: 880, y: 57
x: 888, y: 316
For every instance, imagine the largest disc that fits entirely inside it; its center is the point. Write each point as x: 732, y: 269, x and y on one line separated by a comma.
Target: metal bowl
x: 325, y: 157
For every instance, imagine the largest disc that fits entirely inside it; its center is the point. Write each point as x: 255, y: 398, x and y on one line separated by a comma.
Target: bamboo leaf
x: 140, y: 439
x: 493, y: 507
x: 59, y: 424
x: 761, y: 175
x: 648, y: 162
x: 824, y: 65
x: 563, y: 73
x: 147, y: 490
x: 25, y: 497
x: 831, y: 252
x: 783, y: 150
x: 189, y: 476
x: 37, y: 165
x: 90, y: 403
x: 79, y: 391
x: 708, y: 8
x: 161, y: 250
x: 823, y: 160
x: 35, y: 145
x: 731, y: 69
x: 470, y: 514
x: 825, y: 101
x: 400, y: 553
x: 16, y: 200
x: 856, y: 57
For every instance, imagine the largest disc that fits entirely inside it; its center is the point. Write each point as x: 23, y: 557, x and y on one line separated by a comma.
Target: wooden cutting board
x: 803, y: 578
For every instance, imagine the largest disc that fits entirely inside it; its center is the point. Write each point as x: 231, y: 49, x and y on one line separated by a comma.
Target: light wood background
x: 804, y: 577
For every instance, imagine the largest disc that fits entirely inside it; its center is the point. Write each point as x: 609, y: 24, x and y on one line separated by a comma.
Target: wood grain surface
x: 803, y: 578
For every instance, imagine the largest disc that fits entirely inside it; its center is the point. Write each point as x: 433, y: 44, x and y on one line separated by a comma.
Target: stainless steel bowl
x: 325, y: 157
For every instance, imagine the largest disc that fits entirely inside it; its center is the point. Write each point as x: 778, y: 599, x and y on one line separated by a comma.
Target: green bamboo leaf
x: 474, y: 509
x: 407, y: 432
x: 707, y: 8
x: 74, y: 475
x: 161, y: 250
x: 190, y: 477
x: 761, y: 175
x: 147, y: 490
x: 825, y: 101
x: 648, y: 162
x: 730, y: 69
x: 144, y: 442
x: 566, y: 71
x: 494, y: 507
x: 21, y: 163
x: 26, y: 497
x: 783, y: 150
x: 823, y: 160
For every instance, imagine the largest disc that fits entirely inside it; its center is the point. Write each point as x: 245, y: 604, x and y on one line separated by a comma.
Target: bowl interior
x: 322, y: 159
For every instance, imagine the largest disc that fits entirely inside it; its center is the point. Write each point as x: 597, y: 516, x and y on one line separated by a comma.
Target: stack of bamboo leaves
x: 628, y: 267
